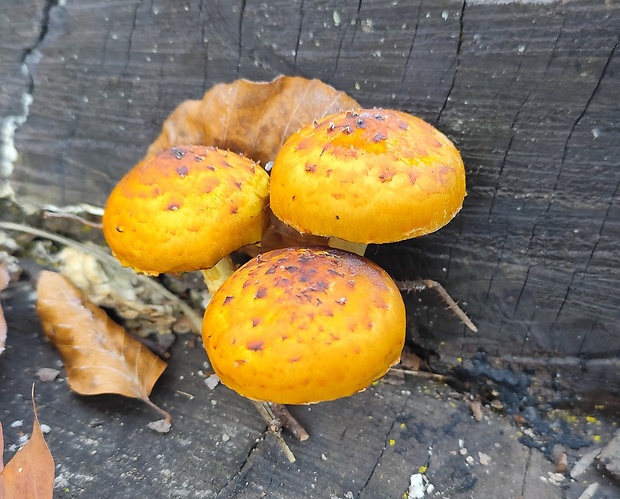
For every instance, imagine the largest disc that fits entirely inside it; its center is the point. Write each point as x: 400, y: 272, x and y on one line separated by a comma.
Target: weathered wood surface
x: 527, y: 90
x: 366, y: 446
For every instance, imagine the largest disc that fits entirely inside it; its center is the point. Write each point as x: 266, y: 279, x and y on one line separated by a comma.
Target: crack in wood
x: 415, y: 35
x: 10, y: 124
x: 232, y: 479
x: 527, y: 467
x: 240, y: 36
x: 299, y: 31
x: 134, y: 21
x: 578, y: 120
x: 385, y: 446
x: 459, y: 47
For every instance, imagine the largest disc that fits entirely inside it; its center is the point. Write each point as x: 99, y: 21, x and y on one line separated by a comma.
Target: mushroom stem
x: 216, y: 275
x: 357, y: 248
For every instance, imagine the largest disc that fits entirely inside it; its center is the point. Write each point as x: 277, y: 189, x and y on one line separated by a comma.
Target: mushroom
x: 367, y: 176
x: 304, y: 325
x: 187, y: 209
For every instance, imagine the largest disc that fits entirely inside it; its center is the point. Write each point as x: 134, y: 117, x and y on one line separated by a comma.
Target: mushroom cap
x: 304, y: 325
x: 368, y: 176
x: 185, y: 209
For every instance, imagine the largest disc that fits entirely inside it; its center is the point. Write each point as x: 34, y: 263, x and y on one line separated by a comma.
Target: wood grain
x: 528, y: 91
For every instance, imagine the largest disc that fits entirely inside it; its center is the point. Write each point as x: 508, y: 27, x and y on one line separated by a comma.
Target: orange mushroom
x: 187, y: 209
x: 367, y: 176
x: 304, y: 325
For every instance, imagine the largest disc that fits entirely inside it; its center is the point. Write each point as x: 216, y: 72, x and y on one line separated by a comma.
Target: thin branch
x: 275, y: 427
x: 430, y: 284
x: 72, y: 216
x: 289, y: 422
x: 419, y: 374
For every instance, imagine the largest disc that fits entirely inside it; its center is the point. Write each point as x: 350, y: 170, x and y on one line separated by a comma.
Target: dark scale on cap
x: 211, y: 167
x: 119, y: 229
x: 341, y: 301
x: 403, y: 125
x: 227, y: 300
x: 360, y: 123
x: 182, y: 171
x: 199, y: 159
x: 379, y: 137
x: 238, y: 185
x: 310, y: 167
x: 261, y: 292
x: 305, y: 257
x: 335, y: 272
x: 178, y: 153
x: 172, y: 207
x: 255, y: 345
x: 256, y: 321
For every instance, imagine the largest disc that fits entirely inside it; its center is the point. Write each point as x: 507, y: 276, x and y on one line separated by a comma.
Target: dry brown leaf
x: 410, y: 360
x: 4, y: 282
x: 30, y: 474
x: 251, y: 118
x: 99, y: 355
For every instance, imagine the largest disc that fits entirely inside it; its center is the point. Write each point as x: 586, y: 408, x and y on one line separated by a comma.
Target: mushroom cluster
x: 302, y: 325
x: 294, y: 325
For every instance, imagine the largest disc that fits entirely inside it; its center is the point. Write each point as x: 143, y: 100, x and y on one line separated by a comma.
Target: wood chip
x: 47, y: 374
x: 584, y: 463
x: 476, y: 410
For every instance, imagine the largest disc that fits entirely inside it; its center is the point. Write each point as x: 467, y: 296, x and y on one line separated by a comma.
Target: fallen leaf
x: 4, y: 282
x: 99, y: 355
x: 410, y: 360
x: 250, y: 118
x: 30, y: 474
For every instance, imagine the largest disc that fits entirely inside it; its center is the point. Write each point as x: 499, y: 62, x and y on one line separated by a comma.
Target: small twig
x: 165, y: 414
x: 193, y: 317
x: 72, y: 216
x: 275, y: 428
x: 289, y: 422
x: 419, y: 374
x: 185, y: 394
x: 422, y: 285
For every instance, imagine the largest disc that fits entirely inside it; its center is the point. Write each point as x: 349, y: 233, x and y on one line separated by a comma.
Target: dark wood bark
x: 527, y: 91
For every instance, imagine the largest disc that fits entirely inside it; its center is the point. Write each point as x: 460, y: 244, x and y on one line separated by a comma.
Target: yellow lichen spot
x: 374, y: 383
x: 596, y: 438
x: 591, y: 419
x: 392, y: 441
x: 403, y: 425
x: 599, y: 407
x: 571, y: 419
x: 459, y: 360
x: 422, y: 469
